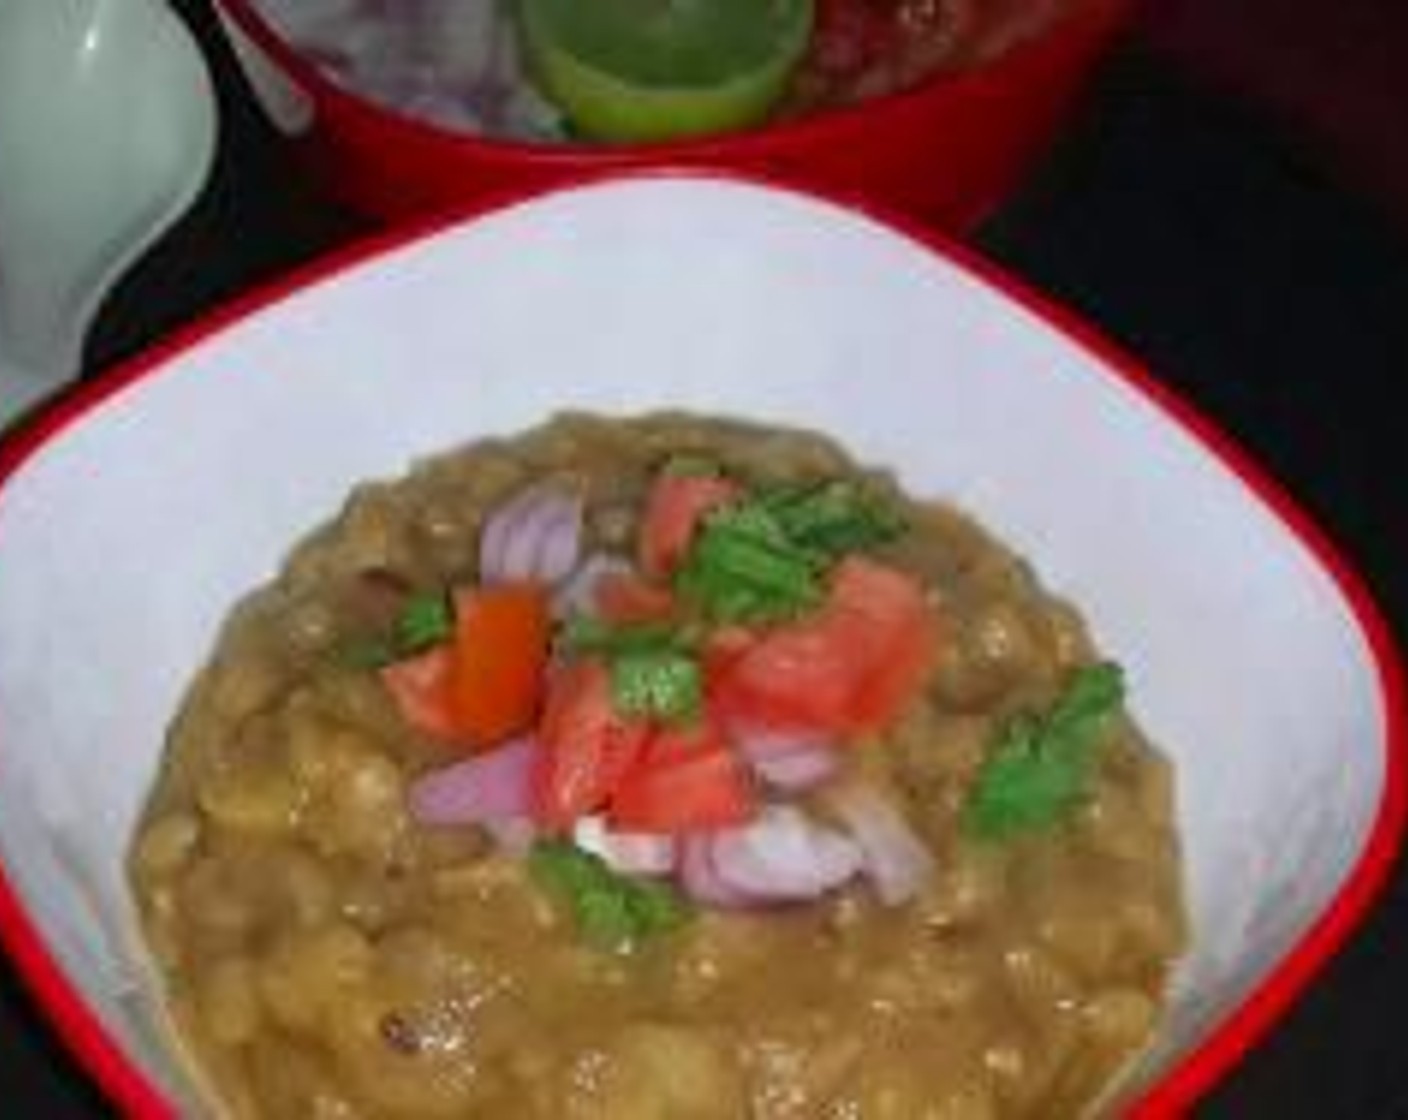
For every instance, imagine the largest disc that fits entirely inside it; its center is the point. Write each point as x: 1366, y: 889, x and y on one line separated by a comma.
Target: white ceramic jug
x: 107, y: 133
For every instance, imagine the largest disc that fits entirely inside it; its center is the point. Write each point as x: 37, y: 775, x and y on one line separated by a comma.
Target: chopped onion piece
x: 700, y: 879
x: 799, y: 771
x: 561, y: 544
x: 455, y: 63
x: 485, y: 789
x: 897, y: 861
x: 784, y: 856
x: 535, y: 535
x: 792, y: 762
x: 577, y: 594
x: 630, y: 853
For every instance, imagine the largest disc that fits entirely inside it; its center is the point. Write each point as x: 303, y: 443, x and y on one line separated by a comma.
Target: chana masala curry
x: 668, y: 767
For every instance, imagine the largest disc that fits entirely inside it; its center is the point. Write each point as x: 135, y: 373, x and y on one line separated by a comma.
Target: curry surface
x: 325, y: 957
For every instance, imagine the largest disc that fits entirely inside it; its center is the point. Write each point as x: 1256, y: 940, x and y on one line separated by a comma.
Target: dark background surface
x: 1231, y: 210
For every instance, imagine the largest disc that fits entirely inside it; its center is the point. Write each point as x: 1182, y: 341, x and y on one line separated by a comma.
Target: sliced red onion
x: 462, y: 39
x: 485, y: 789
x: 799, y: 771
x: 577, y: 595
x: 535, y: 535
x: 630, y: 853
x: 524, y: 524
x: 784, y: 856
x: 789, y: 761
x: 701, y: 880
x: 561, y: 544
x: 455, y: 63
x: 897, y: 861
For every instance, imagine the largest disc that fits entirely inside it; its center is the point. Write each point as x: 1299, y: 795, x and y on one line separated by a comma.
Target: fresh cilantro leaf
x: 834, y: 517
x: 742, y: 568
x: 1041, y: 766
x: 425, y: 621
x: 663, y: 684
x: 611, y: 911
x: 563, y: 866
x: 654, y: 671
x: 657, y: 907
x: 604, y: 918
x: 763, y: 558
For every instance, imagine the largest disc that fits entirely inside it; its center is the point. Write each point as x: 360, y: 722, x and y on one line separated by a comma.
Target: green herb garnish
x: 611, y: 911
x: 424, y: 620
x: 834, y: 517
x: 665, y: 685
x: 1042, y: 765
x: 655, y: 672
x: 742, y: 568
x: 763, y: 558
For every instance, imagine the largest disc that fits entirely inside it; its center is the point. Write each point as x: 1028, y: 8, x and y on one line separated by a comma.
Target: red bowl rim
x: 1196, y: 1072
x: 1098, y: 19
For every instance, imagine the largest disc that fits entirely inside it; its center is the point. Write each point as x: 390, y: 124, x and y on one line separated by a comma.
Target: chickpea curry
x: 659, y: 767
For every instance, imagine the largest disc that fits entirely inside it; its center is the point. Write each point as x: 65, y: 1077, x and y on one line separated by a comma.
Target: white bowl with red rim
x: 134, y: 515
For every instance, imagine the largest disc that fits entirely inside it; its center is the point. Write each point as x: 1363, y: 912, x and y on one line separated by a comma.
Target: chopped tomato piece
x: 888, y: 608
x: 499, y: 660
x: 673, y: 510
x: 799, y: 677
x: 671, y: 742
x: 687, y: 779
x: 587, y: 747
x: 485, y: 685
x: 723, y: 648
x: 420, y: 688
x: 853, y: 667
x: 625, y: 598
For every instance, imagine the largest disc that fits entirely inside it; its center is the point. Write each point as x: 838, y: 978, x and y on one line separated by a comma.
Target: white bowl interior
x: 125, y: 540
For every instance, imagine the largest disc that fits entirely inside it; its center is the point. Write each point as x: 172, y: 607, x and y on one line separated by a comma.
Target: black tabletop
x: 1193, y: 232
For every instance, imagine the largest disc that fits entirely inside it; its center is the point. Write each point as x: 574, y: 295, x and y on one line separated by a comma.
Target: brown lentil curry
x: 326, y: 955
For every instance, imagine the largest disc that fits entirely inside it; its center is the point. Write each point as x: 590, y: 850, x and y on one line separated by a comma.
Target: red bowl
x: 948, y: 151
